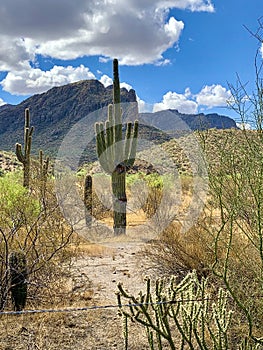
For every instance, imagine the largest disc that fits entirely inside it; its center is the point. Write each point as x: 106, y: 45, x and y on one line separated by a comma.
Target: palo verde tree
x: 116, y: 152
x: 24, y: 157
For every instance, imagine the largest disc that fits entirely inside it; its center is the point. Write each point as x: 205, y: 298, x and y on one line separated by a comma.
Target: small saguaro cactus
x: 88, y: 199
x: 43, y: 166
x: 117, y: 153
x: 43, y: 173
x: 18, y: 279
x: 24, y: 157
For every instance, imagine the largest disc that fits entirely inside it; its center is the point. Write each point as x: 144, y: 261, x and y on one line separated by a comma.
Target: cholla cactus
x: 18, y: 279
x: 185, y: 310
x: 117, y: 153
x: 24, y: 157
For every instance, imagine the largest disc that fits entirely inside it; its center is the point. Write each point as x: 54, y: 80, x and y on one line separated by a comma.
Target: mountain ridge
x: 55, y: 112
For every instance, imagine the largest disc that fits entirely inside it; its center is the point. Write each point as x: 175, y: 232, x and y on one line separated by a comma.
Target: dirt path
x: 119, y: 263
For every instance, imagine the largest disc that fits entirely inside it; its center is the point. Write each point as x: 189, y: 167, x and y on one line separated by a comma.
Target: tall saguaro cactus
x: 116, y: 152
x: 24, y: 157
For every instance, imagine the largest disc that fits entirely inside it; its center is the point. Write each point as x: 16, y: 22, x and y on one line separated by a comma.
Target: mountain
x: 54, y: 112
x: 174, y: 122
x: 57, y: 111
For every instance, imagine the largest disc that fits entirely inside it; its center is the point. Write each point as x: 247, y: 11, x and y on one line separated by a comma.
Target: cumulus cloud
x: 106, y: 80
x: 134, y: 31
x: 209, y: 97
x: 35, y: 80
x: 181, y: 102
x: 213, y: 96
x: 14, y: 54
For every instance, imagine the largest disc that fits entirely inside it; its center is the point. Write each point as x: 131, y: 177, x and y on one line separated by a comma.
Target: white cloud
x: 181, y: 102
x: 244, y: 126
x: 193, y: 5
x: 14, y: 54
x: 134, y: 31
x: 35, y: 80
x: 213, y: 96
x: 209, y: 97
x: 261, y: 50
x: 106, y: 80
x: 2, y: 102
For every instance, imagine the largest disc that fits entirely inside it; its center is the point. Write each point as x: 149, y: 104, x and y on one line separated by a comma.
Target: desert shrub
x: 16, y: 203
x: 146, y: 191
x: 174, y: 253
x: 40, y: 233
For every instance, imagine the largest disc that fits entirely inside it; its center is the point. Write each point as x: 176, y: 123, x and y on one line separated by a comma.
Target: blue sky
x: 179, y: 54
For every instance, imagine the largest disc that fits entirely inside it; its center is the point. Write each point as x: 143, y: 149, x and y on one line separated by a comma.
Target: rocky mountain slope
x: 54, y: 112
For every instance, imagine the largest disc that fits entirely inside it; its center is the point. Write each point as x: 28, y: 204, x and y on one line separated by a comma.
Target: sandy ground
x: 118, y: 263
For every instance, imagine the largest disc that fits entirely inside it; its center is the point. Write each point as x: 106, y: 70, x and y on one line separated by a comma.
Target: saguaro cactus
x: 43, y: 166
x: 117, y: 152
x: 24, y: 157
x: 18, y: 276
x: 43, y: 173
x: 88, y: 199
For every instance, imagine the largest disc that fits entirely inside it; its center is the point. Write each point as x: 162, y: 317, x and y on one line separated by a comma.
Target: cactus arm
x: 116, y: 102
x: 19, y: 153
x: 116, y: 83
x: 27, y: 118
x: 102, y: 148
x: 109, y: 143
x: 131, y: 159
x: 24, y: 156
x: 99, y: 139
x: 127, y: 141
